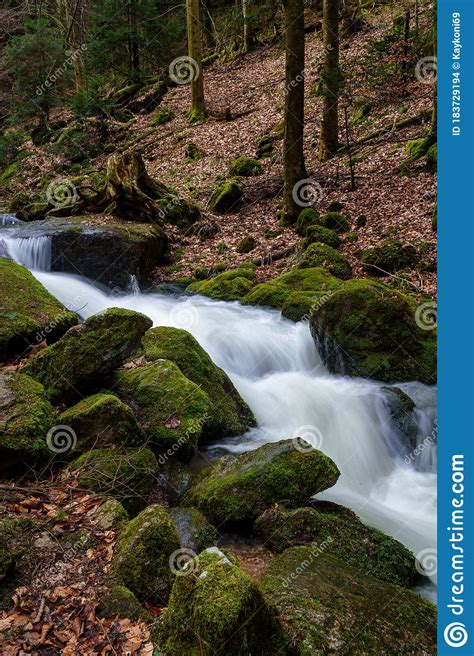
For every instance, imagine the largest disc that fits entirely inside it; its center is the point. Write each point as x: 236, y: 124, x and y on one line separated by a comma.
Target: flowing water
x: 275, y: 366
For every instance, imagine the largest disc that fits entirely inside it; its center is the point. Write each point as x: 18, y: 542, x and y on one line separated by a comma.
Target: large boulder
x: 322, y: 255
x: 103, y: 249
x: 228, y: 286
x: 215, y: 608
x: 229, y: 414
x: 28, y: 313
x: 102, y: 419
x: 87, y: 353
x: 26, y: 416
x: 171, y: 408
x: 340, y: 532
x: 141, y: 560
x: 127, y: 475
x: 328, y: 607
x: 238, y: 489
x: 367, y: 329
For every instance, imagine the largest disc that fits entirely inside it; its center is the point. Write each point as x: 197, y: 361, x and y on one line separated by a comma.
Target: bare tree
x: 198, y: 108
x: 329, y: 141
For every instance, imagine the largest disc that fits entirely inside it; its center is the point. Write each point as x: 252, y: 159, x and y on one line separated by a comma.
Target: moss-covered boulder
x: 87, y: 353
x: 310, y: 284
x: 28, y: 313
x: 247, y: 244
x: 390, y: 256
x: 306, y: 219
x: 142, y: 555
x: 322, y: 255
x: 102, y: 419
x: 217, y: 609
x: 226, y: 198
x: 367, y: 329
x: 326, y: 607
x: 228, y: 286
x: 171, y: 408
x: 337, y: 530
x: 322, y: 235
x: 111, y: 515
x: 239, y: 488
x: 26, y: 416
x: 194, y: 531
x: 245, y: 167
x: 335, y: 221
x: 128, y: 475
x: 229, y: 414
x: 119, y: 601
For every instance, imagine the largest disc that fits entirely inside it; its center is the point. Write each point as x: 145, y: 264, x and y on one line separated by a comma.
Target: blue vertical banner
x: 455, y: 73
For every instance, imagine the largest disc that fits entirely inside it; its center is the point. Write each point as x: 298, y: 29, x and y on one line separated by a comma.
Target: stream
x: 275, y: 366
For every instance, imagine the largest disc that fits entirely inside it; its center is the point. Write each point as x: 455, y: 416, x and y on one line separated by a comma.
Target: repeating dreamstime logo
x: 184, y: 315
x: 183, y: 562
x: 307, y: 192
x: 426, y: 315
x: 61, y: 193
x: 307, y: 438
x: 426, y: 562
x: 455, y: 634
x: 426, y: 69
x: 61, y: 438
x: 184, y: 70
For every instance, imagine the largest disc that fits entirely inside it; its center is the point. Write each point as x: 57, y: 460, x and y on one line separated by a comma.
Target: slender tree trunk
x: 198, y: 108
x: 133, y: 41
x: 248, y: 27
x: 329, y: 141
x: 293, y: 155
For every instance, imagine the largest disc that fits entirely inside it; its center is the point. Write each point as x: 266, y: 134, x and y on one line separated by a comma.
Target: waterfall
x: 33, y: 252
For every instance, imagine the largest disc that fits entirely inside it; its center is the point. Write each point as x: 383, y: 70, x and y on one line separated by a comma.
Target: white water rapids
x: 275, y: 366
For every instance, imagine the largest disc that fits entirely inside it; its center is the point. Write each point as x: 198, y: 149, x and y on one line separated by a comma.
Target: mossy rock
x: 229, y: 414
x: 192, y: 153
x: 237, y: 489
x: 34, y: 211
x: 102, y: 419
x: 142, y: 555
x: 247, y: 244
x: 226, y: 198
x: 317, y: 233
x: 327, y: 606
x: 389, y: 257
x: 111, y: 515
x: 28, y: 312
x: 298, y: 306
x: 313, y: 283
x: 194, y: 531
x: 162, y: 116
x: 245, y: 167
x: 417, y: 148
x: 307, y: 218
x: 217, y: 609
x: 87, y: 353
x: 128, y: 475
x: 26, y: 416
x: 322, y: 255
x: 228, y: 286
x: 265, y: 146
x: 335, y: 221
x: 367, y: 329
x: 171, y: 408
x: 338, y: 531
x: 119, y: 601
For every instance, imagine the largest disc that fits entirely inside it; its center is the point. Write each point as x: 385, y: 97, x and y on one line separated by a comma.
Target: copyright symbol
x: 456, y: 66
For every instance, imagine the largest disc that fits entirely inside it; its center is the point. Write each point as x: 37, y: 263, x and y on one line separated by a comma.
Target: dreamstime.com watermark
x: 53, y: 77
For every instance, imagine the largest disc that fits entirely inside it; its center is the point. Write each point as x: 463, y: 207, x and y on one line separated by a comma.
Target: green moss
x: 193, y: 529
x: 432, y: 157
x: 307, y: 218
x: 161, y: 116
x: 265, y: 146
x: 101, y: 419
x: 247, y: 244
x: 362, y: 110
x: 171, y: 408
x: 128, y: 475
x: 25, y: 418
x: 324, y: 603
x: 238, y: 488
x: 245, y: 167
x: 321, y: 255
x: 298, y: 306
x: 337, y: 530
x: 335, y: 221
x: 416, y: 148
x: 87, y: 353
x: 141, y: 558
x: 192, y: 153
x: 390, y: 256
x: 217, y: 609
x: 226, y: 198
x: 322, y: 235
x: 8, y: 173
x: 111, y: 515
x: 120, y: 602
x: 229, y: 414
x: 372, y: 330
x: 228, y: 286
x: 28, y: 313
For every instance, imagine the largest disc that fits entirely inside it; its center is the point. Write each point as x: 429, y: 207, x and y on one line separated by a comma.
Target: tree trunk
x: 293, y: 154
x: 248, y: 26
x: 134, y: 50
x: 198, y: 108
x: 329, y: 141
